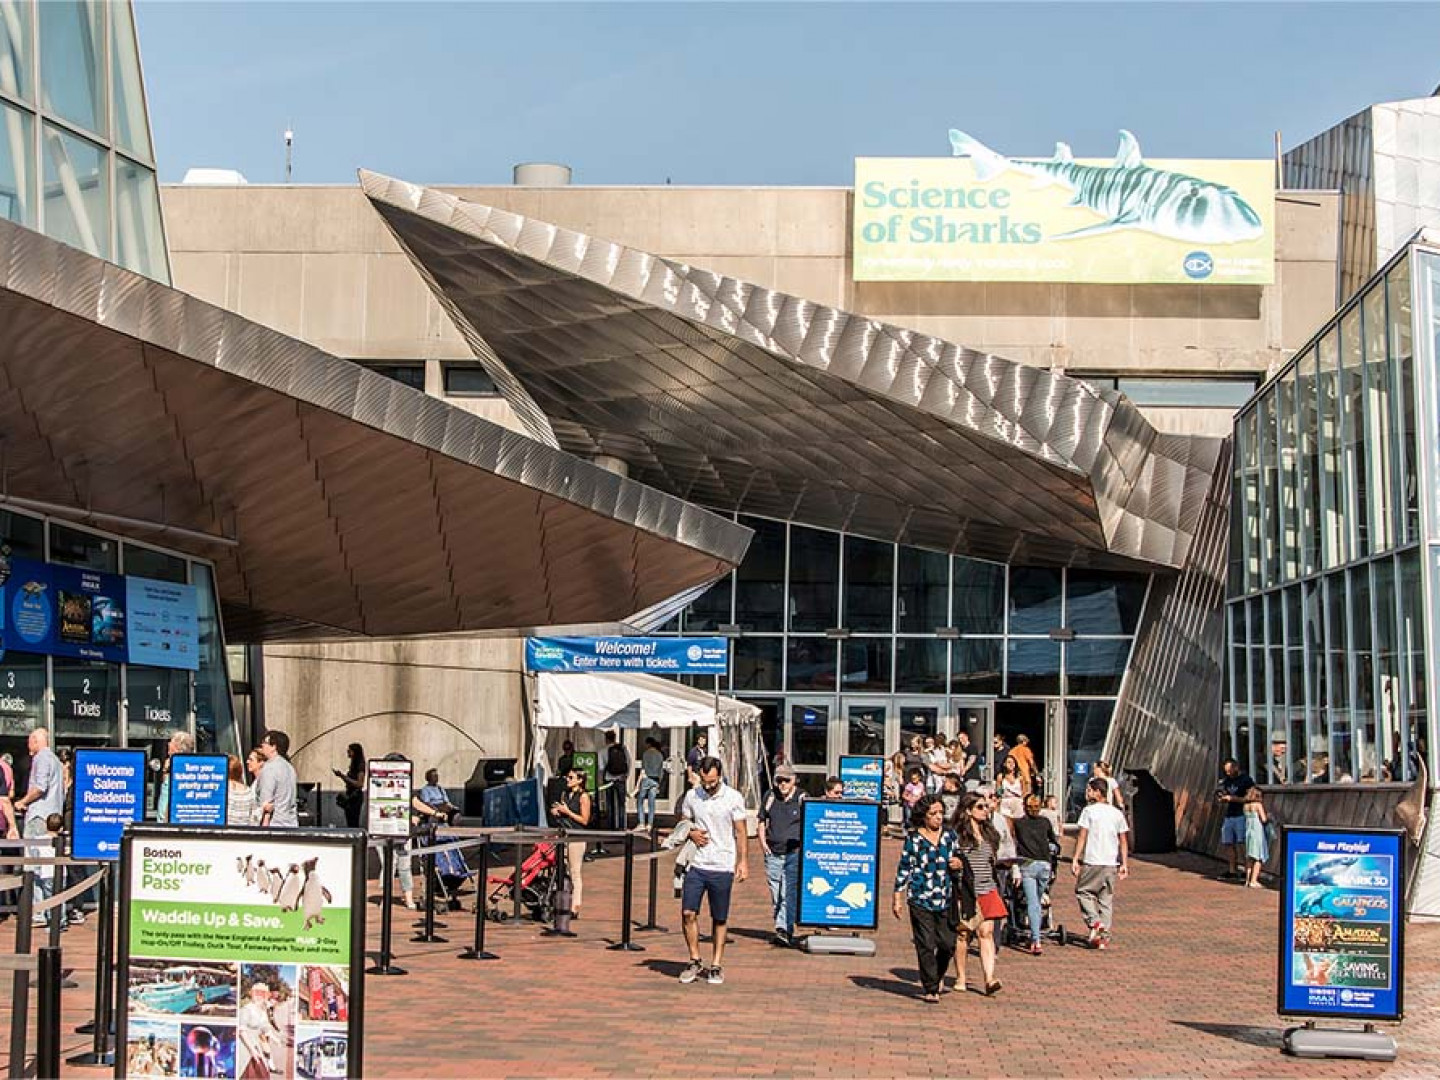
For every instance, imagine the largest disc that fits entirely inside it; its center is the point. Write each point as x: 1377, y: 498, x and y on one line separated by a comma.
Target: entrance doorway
x: 807, y: 741
x: 1028, y: 718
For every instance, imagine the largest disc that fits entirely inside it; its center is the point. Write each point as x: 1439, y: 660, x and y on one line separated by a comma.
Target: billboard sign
x: 862, y: 777
x: 839, y: 864
x: 647, y: 656
x: 389, y: 785
x: 1342, y: 923
x: 983, y: 216
x: 241, y: 952
x: 199, y: 789
x: 164, y: 623
x: 109, y: 794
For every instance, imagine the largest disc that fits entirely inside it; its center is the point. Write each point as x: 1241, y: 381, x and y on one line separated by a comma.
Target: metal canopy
x: 742, y: 398
x: 340, y: 501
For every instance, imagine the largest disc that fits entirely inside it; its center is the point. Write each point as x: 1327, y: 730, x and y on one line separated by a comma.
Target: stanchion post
x: 477, y: 951
x: 47, y: 1015
x: 560, y: 926
x: 385, y: 964
x: 432, y: 890
x: 20, y: 982
x: 625, y: 944
x: 99, y: 1052
x: 650, y: 903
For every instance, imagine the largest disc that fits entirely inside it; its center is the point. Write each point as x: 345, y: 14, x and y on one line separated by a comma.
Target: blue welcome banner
x: 862, y: 777
x: 645, y: 655
x: 109, y: 794
x: 199, y: 789
x: 839, y: 864
x: 1342, y: 923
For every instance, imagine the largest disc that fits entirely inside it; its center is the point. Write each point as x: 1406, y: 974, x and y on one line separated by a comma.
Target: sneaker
x: 1036, y: 949
x: 780, y: 939
x: 693, y: 971
x: 1096, y: 932
x: 716, y: 977
x: 75, y: 918
x: 1104, y: 942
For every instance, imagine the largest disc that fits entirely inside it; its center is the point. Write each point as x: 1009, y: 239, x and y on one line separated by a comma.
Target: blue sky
x: 750, y: 93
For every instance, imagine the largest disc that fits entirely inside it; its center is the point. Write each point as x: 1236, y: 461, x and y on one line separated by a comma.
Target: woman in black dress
x: 352, y: 796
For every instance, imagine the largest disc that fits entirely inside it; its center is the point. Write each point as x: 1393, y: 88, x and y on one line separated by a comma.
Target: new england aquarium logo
x: 1199, y: 265
x: 694, y: 653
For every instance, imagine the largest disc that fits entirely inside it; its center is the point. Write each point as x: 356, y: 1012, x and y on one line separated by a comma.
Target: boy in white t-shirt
x: 1102, y: 854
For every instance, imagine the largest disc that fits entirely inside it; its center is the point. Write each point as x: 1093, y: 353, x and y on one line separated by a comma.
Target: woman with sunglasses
x: 923, y: 882
x: 978, y: 891
x: 575, y: 810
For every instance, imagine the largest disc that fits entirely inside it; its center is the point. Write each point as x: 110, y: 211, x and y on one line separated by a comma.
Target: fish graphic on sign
x: 818, y: 886
x: 1127, y: 193
x: 856, y: 894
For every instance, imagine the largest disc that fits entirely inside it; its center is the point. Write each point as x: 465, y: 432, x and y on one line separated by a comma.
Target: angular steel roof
x: 743, y: 398
x: 340, y: 502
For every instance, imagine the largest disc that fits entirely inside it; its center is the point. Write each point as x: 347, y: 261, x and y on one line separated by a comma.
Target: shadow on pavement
x: 669, y: 968
x: 887, y: 986
x: 1249, y: 1034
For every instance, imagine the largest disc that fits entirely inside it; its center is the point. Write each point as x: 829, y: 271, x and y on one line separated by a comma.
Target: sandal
x: 930, y: 999
x: 991, y: 989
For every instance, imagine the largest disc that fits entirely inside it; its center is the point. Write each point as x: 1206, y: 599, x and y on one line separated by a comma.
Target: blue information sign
x: 109, y: 794
x: 519, y: 802
x: 1342, y: 923
x: 839, y: 864
x: 863, y: 777
x: 164, y: 623
x: 199, y: 789
x: 654, y: 656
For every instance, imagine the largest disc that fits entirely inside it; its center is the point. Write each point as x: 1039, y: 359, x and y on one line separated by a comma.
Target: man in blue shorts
x: 1233, y: 786
x: 716, y: 813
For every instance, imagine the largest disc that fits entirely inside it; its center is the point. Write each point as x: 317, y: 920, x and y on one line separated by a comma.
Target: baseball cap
x: 784, y: 772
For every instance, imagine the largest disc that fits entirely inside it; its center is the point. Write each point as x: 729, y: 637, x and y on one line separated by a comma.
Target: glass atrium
x: 1332, y: 526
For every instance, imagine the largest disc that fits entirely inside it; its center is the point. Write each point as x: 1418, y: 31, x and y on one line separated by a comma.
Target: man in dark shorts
x: 716, y: 813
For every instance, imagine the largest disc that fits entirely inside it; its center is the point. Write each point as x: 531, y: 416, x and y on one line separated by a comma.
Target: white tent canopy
x: 581, y: 707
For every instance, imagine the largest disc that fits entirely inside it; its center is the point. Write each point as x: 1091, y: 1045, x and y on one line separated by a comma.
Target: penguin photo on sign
x: 314, y: 896
x: 276, y: 881
x: 257, y: 873
x: 242, y: 866
x: 289, y: 898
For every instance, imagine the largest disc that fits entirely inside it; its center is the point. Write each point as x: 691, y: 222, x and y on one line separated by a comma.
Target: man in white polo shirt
x: 716, y: 812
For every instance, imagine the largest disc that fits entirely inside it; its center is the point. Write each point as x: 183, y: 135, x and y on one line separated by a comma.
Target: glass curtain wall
x: 1326, y: 614
x: 818, y: 612
x: 76, y: 161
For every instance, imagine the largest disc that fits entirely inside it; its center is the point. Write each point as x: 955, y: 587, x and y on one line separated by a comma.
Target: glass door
x: 973, y: 719
x: 807, y: 741
x: 865, y: 734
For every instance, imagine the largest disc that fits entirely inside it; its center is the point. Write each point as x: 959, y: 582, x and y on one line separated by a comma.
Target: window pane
x: 73, y: 61
x: 920, y: 666
x: 1034, y: 668
x: 757, y: 663
x: 923, y: 591
x: 867, y: 664
x: 1088, y: 727
x: 1338, y: 701
x: 1308, y: 433
x: 22, y: 693
x: 1289, y: 477
x: 1352, y: 381
x: 1293, y: 768
x: 157, y: 704
x: 468, y: 380
x: 1402, y: 353
x: 86, y: 550
x: 810, y: 664
x: 1249, y: 452
x: 1269, y: 493
x: 1317, y: 732
x: 131, y: 131
x: 87, y: 700
x: 137, y: 218
x: 1387, y: 664
x: 1332, y: 493
x: 1103, y: 603
x: 1095, y: 666
x: 21, y: 537
x: 1235, y: 570
x: 214, y: 714
x: 975, y: 666
x: 155, y: 565
x: 1378, y: 422
x: 1180, y: 392
x: 411, y: 375
x: 760, y: 580
x: 979, y: 597
x: 814, y: 578
x: 865, y: 730
x: 76, y: 193
x: 1034, y: 600
x: 17, y: 165
x: 16, y: 68
x: 869, y: 585
x: 1362, y: 668
x: 1413, y: 645
x: 809, y: 734
x: 711, y: 609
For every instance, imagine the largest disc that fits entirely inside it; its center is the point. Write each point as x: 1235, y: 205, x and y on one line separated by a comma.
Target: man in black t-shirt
x: 969, y: 762
x: 780, y: 821
x: 1234, y: 785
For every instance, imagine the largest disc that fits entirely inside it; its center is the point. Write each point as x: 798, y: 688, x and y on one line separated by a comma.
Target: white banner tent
x: 582, y: 707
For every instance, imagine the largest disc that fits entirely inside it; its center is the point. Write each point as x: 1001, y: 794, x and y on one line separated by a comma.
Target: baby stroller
x: 451, y: 870
x: 536, y: 887
x: 1016, y: 930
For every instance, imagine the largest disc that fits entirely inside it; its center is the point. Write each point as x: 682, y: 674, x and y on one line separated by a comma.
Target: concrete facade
x: 318, y: 263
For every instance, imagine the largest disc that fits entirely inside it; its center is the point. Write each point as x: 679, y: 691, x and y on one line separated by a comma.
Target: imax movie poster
x: 238, y: 956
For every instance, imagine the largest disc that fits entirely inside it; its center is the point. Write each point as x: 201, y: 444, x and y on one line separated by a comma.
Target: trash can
x: 1152, y: 815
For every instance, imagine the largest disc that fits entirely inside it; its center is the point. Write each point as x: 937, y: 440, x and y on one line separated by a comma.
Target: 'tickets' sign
x: 839, y: 864
x: 654, y: 656
x: 240, y: 952
x: 109, y: 794
x: 199, y: 789
x: 1342, y: 923
x: 389, y: 785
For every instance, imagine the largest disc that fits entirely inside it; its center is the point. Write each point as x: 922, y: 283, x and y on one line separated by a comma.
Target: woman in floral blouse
x: 923, y: 879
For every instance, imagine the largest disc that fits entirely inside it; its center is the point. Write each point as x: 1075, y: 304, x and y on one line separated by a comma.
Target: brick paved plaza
x: 1188, y: 990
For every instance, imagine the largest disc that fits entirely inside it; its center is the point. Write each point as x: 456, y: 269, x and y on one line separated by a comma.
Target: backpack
x: 616, y: 761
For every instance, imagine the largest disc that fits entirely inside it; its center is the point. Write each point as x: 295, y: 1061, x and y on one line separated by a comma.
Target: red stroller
x: 536, y: 887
